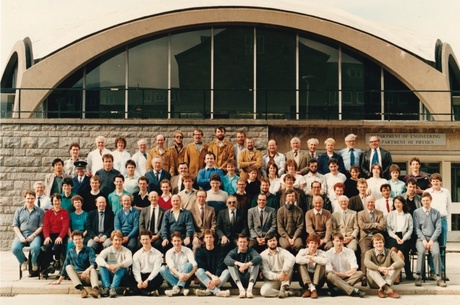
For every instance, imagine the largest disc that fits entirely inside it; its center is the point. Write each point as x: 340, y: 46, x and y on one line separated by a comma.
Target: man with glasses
x: 231, y: 222
x: 375, y: 154
x: 177, y: 151
x: 164, y: 153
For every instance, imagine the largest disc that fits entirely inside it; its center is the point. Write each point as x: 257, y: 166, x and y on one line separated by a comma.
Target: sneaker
x: 418, y: 281
x: 358, y: 293
x: 34, y: 267
x: 293, y: 293
x: 25, y: 266
x: 223, y: 293
x: 112, y: 293
x: 105, y: 292
x: 249, y: 294
x: 441, y: 283
x: 84, y: 293
x: 282, y: 293
x: 202, y: 293
x: 172, y: 292
x: 242, y: 294
x: 94, y: 292
x: 432, y: 277
x: 185, y: 292
x: 128, y: 292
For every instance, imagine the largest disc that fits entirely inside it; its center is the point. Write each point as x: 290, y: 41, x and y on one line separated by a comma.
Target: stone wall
x: 27, y: 150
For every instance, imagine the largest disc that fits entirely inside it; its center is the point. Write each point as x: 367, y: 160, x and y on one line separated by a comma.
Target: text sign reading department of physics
x: 412, y: 139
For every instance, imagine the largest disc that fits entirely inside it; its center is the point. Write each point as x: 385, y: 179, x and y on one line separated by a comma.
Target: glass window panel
x: 360, y: 88
x: 105, y: 83
x: 455, y: 186
x: 148, y: 79
x: 276, y: 68
x: 66, y: 100
x: 400, y: 102
x: 233, y: 72
x: 191, y: 74
x: 318, y: 80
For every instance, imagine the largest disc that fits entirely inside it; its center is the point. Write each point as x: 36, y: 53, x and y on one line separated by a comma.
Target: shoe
x: 105, y: 292
x: 432, y: 277
x: 202, y: 293
x: 242, y: 294
x: 358, y: 293
x: 113, y: 293
x: 441, y: 283
x: 393, y: 294
x: 418, y: 281
x: 57, y: 265
x: 396, y: 283
x: 34, y: 267
x: 293, y: 293
x: 364, y: 282
x: 84, y: 293
x: 410, y: 277
x: 314, y: 294
x: 128, y: 292
x: 306, y: 294
x: 282, y: 294
x: 249, y: 294
x: 50, y: 269
x: 381, y: 294
x: 223, y: 293
x: 445, y: 279
x: 94, y: 292
x: 172, y: 292
x: 334, y: 291
x: 25, y: 266
x: 185, y: 292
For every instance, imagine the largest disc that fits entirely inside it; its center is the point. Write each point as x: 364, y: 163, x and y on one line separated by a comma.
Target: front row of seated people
x: 241, y: 263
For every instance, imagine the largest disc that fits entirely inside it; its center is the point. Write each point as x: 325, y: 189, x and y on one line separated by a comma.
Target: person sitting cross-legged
x: 383, y: 266
x: 180, y: 266
x: 212, y: 272
x: 80, y: 266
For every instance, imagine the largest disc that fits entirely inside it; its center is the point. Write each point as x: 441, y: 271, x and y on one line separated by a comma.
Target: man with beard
x: 290, y: 219
x: 239, y: 146
x: 249, y: 158
x: 195, y: 153
x: 177, y: 151
x: 313, y: 176
x: 221, y: 148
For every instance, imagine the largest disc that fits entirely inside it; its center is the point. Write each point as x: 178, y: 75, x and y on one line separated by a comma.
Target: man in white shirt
x: 271, y: 156
x: 313, y: 176
x: 146, y: 267
x: 42, y: 201
x: 94, y: 159
x: 333, y: 177
x: 277, y: 266
x: 188, y: 194
x: 180, y: 266
x: 140, y: 157
x: 342, y: 269
x: 385, y: 204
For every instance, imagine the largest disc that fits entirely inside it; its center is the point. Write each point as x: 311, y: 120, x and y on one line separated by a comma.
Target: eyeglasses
x: 179, y: 137
x: 197, y: 134
x: 231, y: 202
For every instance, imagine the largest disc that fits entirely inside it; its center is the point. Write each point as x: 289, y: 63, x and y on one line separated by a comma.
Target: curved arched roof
x: 91, y: 21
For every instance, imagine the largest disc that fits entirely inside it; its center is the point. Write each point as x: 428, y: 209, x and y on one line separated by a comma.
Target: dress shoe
x: 358, y: 293
x: 306, y: 294
x: 314, y: 294
x: 418, y: 281
x: 410, y: 277
x: 393, y: 294
x: 334, y: 291
x: 381, y: 294
x: 364, y: 282
x: 441, y: 283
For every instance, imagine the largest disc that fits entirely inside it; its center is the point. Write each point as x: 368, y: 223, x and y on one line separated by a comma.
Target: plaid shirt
x: 81, y: 260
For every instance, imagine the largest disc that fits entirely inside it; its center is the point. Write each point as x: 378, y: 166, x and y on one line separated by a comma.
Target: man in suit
x: 345, y: 221
x: 427, y: 224
x: 357, y: 202
x: 250, y: 158
x: 99, y: 226
x: 370, y: 222
x: 350, y: 154
x: 204, y: 217
x: 312, y: 145
x: 167, y: 161
x: 80, y: 180
x: 383, y: 266
x: 177, y: 151
x: 151, y: 218
x: 231, y: 222
x: 156, y: 175
x: 177, y: 182
x: 318, y: 221
x: 261, y: 220
x: 375, y: 154
x: 300, y: 157
x: 53, y: 181
x: 195, y: 153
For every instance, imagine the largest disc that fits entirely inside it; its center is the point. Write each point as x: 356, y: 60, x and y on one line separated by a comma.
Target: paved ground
x: 12, y: 289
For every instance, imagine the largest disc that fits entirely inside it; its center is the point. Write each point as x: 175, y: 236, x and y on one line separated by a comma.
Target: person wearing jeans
x: 113, y: 263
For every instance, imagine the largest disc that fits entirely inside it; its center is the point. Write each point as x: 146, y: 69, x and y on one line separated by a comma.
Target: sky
x: 36, y: 18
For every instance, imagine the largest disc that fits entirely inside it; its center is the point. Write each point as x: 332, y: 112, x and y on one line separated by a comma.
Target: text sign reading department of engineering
x: 412, y: 139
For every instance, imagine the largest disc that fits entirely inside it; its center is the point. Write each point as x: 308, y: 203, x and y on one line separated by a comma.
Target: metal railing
x: 270, y: 104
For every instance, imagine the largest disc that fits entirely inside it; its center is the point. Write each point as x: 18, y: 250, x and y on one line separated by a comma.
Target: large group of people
x: 217, y: 212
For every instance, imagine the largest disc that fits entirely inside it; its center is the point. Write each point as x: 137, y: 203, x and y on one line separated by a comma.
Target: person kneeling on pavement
x: 80, y: 266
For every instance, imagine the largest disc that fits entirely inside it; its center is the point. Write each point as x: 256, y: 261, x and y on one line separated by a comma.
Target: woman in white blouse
x: 275, y: 181
x: 374, y: 183
x: 399, y: 228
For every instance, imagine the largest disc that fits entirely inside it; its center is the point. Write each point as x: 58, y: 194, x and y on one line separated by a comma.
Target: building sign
x: 410, y: 139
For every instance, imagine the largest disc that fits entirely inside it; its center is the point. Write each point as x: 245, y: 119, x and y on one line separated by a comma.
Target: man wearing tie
x: 140, y: 157
x: 385, y: 204
x: 375, y: 154
x: 151, y: 218
x: 231, y: 222
x: 300, y: 157
x: 42, y: 201
x: 345, y: 222
x: 99, y: 226
x: 177, y: 182
x: 350, y: 154
x: 261, y: 220
x: 80, y: 180
x: 204, y: 218
x: 156, y: 175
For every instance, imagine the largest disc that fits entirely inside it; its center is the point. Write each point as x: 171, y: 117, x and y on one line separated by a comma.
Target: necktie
x: 202, y: 215
x: 312, y: 155
x: 295, y: 154
x: 388, y: 206
x: 152, y: 221
x: 38, y: 202
x: 344, y: 216
x: 375, y: 158
x: 182, y: 186
x: 232, y: 218
x: 80, y: 179
x: 101, y: 222
x: 427, y: 212
x: 261, y: 217
x: 100, y: 152
x: 352, y: 157
x: 145, y: 155
x: 157, y: 175
x: 371, y: 216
